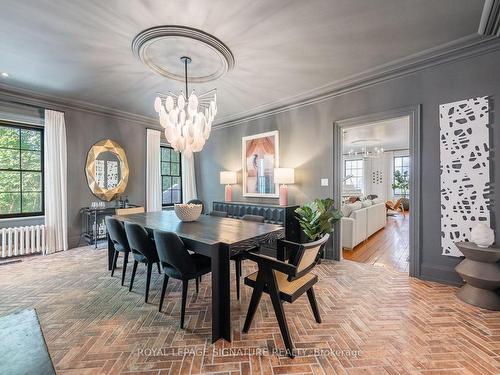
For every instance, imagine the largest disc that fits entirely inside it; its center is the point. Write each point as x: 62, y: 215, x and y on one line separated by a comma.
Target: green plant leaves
x: 401, y: 181
x: 317, y: 218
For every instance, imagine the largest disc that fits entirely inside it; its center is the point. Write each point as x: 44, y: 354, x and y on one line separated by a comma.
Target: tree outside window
x: 171, y: 176
x: 400, y: 185
x: 21, y: 171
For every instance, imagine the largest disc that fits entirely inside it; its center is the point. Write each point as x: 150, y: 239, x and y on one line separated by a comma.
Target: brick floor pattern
x: 375, y: 321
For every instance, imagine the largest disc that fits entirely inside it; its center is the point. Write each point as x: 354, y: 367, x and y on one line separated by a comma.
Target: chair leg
x: 163, y: 290
x: 125, y: 261
x: 254, y: 301
x: 238, y: 276
x: 280, y: 315
x: 148, y: 281
x: 134, y: 268
x: 197, y: 285
x: 314, y: 305
x: 184, y: 298
x: 115, y: 257
x: 158, y: 265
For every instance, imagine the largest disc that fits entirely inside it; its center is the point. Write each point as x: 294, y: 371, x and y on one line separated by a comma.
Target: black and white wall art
x: 465, y: 169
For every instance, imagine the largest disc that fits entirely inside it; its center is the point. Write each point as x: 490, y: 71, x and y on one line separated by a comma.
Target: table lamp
x: 228, y: 178
x: 284, y: 176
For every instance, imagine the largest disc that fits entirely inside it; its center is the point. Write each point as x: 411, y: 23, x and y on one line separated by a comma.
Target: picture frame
x: 259, y: 157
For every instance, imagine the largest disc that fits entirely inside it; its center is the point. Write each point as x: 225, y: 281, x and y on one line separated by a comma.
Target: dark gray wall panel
x: 306, y: 141
x: 83, y: 129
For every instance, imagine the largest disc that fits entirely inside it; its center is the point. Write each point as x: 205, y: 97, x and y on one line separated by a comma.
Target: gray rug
x: 22, y: 346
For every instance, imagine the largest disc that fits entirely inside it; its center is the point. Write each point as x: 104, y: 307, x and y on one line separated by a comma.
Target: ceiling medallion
x: 160, y: 47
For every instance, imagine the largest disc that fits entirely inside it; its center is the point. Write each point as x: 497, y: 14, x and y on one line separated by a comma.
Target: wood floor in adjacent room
x: 375, y: 321
x: 388, y: 247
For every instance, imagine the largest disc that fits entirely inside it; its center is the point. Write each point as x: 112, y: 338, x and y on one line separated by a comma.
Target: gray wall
x: 83, y: 129
x: 306, y: 142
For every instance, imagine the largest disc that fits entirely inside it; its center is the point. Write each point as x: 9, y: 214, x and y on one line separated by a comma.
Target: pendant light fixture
x: 187, y: 118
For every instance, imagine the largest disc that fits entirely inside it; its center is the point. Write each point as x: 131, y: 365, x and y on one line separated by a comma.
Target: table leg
x: 221, y: 302
x: 111, y: 252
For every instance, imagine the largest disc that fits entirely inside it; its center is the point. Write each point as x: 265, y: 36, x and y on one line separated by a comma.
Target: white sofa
x: 360, y: 221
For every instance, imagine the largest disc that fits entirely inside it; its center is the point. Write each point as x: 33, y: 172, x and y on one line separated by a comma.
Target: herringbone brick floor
x: 375, y: 321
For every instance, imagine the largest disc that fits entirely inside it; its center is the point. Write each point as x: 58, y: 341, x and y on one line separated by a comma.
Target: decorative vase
x: 482, y: 235
x: 188, y: 212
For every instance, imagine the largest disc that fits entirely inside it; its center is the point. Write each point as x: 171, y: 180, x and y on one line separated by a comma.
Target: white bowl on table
x: 188, y: 212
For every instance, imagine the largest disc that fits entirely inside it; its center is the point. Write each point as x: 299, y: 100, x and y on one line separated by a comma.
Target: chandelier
x: 187, y: 120
x: 376, y: 152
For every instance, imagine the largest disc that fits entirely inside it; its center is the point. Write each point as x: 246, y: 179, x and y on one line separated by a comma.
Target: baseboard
x: 73, y: 242
x: 440, y: 274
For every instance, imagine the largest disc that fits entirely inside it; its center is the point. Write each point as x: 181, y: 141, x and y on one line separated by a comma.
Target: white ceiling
x: 393, y: 134
x: 81, y: 50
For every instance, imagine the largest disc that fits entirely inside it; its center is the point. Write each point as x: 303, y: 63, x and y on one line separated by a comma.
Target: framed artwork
x: 260, y: 155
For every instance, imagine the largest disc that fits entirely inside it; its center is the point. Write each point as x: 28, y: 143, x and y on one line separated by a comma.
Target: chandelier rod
x: 186, y: 75
x: 186, y: 61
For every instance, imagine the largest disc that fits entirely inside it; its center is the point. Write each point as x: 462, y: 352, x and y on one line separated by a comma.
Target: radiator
x: 22, y: 240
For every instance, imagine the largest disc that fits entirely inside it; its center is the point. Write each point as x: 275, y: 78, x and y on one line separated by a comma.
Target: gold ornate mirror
x: 107, y: 170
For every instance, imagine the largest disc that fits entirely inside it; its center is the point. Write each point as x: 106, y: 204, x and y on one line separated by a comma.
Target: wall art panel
x: 465, y: 170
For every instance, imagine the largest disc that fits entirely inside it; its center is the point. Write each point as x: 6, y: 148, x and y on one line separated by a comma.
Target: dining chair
x: 285, y: 281
x: 178, y: 263
x: 143, y: 250
x: 129, y: 211
x: 218, y: 213
x: 117, y: 235
x: 238, y: 257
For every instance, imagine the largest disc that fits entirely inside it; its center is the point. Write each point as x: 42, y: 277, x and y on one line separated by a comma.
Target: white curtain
x: 55, y: 162
x: 153, y: 175
x: 188, y: 178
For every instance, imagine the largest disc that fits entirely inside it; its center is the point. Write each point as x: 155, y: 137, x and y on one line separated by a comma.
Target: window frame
x: 162, y: 146
x: 356, y: 177
x: 21, y: 126
x: 401, y: 169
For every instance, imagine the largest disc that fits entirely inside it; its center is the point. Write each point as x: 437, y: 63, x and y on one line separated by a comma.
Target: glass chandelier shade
x: 187, y: 121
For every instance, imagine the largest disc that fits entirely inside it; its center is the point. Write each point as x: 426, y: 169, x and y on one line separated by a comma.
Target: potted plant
x: 401, y: 182
x: 317, y: 218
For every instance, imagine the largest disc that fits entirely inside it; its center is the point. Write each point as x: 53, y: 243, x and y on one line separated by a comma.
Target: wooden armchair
x: 285, y: 281
x: 396, y: 207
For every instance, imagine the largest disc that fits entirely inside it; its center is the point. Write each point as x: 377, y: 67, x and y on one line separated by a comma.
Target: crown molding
x: 490, y: 18
x: 461, y: 49
x: 34, y: 98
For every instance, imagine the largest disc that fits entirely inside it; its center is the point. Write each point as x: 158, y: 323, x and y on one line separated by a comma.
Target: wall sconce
x: 228, y: 178
x: 284, y: 176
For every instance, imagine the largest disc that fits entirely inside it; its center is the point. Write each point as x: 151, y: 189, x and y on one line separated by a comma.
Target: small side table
x: 481, y: 273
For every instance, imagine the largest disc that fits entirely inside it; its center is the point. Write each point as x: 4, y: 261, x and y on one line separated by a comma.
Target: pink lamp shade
x: 228, y: 178
x: 284, y: 176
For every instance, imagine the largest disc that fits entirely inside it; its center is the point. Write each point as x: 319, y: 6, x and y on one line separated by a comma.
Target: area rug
x: 22, y: 346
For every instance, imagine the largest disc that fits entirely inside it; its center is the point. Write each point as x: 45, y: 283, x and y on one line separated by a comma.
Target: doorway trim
x: 414, y: 114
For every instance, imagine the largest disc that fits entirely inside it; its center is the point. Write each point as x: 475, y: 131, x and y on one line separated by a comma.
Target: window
x: 354, y: 168
x: 21, y: 171
x: 401, y: 167
x: 171, y: 177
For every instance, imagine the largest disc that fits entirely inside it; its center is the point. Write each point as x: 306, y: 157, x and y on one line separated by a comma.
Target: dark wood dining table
x: 217, y: 238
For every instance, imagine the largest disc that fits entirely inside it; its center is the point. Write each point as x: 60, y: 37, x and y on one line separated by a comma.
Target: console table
x: 94, y: 225
x: 272, y: 213
x: 481, y: 273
